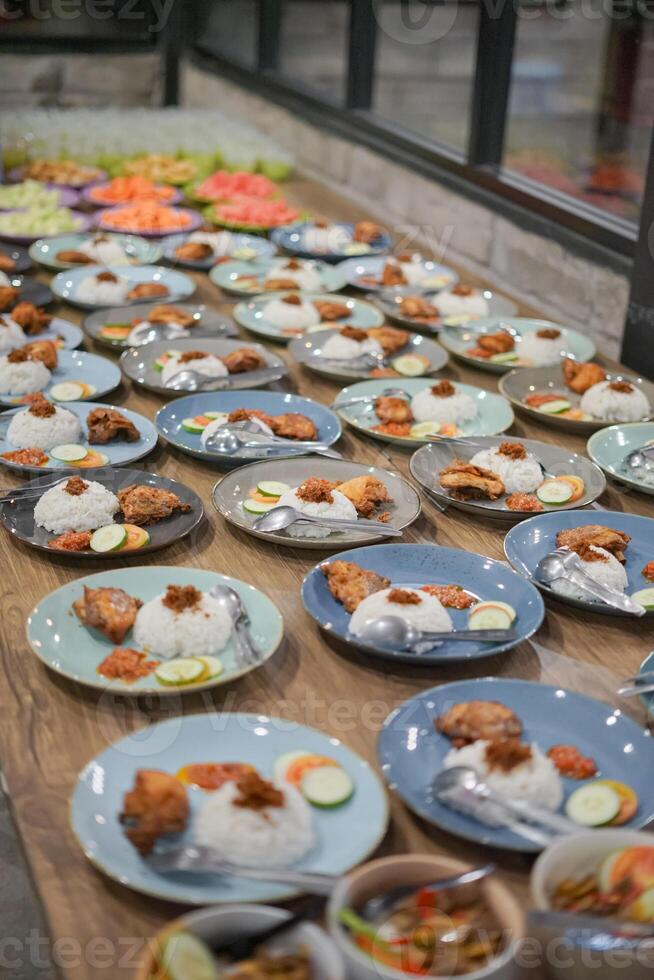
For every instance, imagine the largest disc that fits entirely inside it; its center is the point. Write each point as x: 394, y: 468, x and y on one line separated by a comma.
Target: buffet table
x: 49, y: 727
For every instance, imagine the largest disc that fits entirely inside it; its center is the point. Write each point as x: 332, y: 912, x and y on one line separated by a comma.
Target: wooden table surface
x: 50, y: 727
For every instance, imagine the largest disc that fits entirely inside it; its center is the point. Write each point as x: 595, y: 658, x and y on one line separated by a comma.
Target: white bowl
x: 576, y: 856
x: 231, y: 922
x: 375, y: 877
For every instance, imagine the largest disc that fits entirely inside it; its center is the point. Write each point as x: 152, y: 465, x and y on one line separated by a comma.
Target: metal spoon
x: 565, y: 564
x: 279, y: 518
x: 146, y: 333
x: 224, y: 442
x: 188, y: 380
x: 393, y: 631
x: 635, y: 690
x: 639, y: 459
x: 247, y: 652
x: 381, y: 906
x: 386, y: 393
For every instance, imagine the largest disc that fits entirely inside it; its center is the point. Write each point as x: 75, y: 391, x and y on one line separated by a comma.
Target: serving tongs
x: 187, y: 380
x: 564, y: 564
x: 30, y: 492
x: 637, y: 684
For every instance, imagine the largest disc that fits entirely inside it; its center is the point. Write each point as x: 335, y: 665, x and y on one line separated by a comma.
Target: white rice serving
x: 276, y: 837
x: 210, y: 366
x: 610, y: 573
x: 334, y: 238
x: 28, y: 431
x: 199, y: 631
x: 345, y: 348
x: 4, y: 279
x: 296, y: 315
x: 306, y: 277
x: 23, y: 377
x: 604, y: 403
x: 457, y: 408
x: 540, y: 351
x: 517, y: 475
x: 59, y: 511
x: 429, y: 614
x: 102, y: 293
x: 534, y: 781
x: 104, y: 250
x: 452, y: 304
x: 11, y: 334
x: 414, y: 272
x: 341, y: 509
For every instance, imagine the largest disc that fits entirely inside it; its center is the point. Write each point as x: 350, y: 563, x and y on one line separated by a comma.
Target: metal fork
x: 27, y: 493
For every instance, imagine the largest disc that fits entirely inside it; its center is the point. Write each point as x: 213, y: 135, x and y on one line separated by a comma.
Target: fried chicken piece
x: 367, y: 232
x: 580, y: 377
x: 392, y: 275
x: 194, y: 251
x: 71, y: 541
x: 274, y: 285
x: 157, y: 805
x: 496, y: 343
x: 105, y: 424
x: 42, y: 350
x: 594, y: 534
x: 170, y: 314
x: 245, y: 414
x: 33, y: 319
x: 469, y: 721
x: 392, y: 409
x: 473, y: 480
x: 391, y: 339
x: 146, y: 290
x: 243, y: 359
x: 72, y: 257
x: 330, y: 310
x: 350, y: 584
x: 143, y: 505
x: 366, y: 493
x: 8, y: 297
x: 293, y: 425
x: 418, y: 308
x: 112, y: 611
x: 7, y: 264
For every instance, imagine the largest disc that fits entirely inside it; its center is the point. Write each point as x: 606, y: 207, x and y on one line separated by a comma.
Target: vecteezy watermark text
x: 154, y: 13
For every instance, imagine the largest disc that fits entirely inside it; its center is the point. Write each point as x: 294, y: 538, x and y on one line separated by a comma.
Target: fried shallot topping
x: 461, y: 290
x: 106, y: 276
x: 41, y: 408
x: 292, y: 300
x: 444, y: 389
x: 507, y: 753
x: 179, y: 598
x: 316, y: 491
x: 404, y: 597
x: 76, y: 486
x: 18, y: 356
x: 293, y: 264
x: 514, y: 450
x: 548, y: 334
x: 354, y: 333
x: 450, y: 596
x: 622, y: 386
x: 255, y: 793
x: 192, y: 355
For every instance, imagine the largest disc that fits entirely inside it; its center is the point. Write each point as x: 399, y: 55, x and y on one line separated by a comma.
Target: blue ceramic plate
x: 169, y: 418
x: 18, y: 256
x: 346, y: 835
x: 411, y: 751
x: 365, y: 273
x: 233, y: 244
x: 608, y: 448
x: 249, y: 278
x: 180, y: 286
x: 460, y: 340
x: 415, y: 565
x: 74, y: 365
x: 495, y: 414
x: 251, y: 315
x: 63, y: 333
x: 64, y: 644
x: 292, y: 238
x: 528, y: 542
x: 137, y: 250
x: 119, y: 452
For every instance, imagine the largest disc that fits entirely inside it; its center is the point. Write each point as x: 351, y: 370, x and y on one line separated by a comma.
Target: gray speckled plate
x: 139, y: 363
x: 306, y: 351
x: 17, y: 514
x: 429, y: 460
x: 207, y: 323
x: 549, y: 380
x: 498, y: 306
x: 229, y: 493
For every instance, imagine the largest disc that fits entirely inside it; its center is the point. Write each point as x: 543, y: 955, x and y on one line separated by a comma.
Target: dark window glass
x: 229, y: 28
x: 313, y: 45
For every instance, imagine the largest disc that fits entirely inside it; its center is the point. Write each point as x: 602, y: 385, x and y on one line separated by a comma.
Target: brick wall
x: 79, y: 80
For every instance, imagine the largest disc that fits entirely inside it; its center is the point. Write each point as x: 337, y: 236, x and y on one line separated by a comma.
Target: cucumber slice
x: 555, y: 492
x: 508, y: 357
x: 411, y: 365
x: 593, y: 805
x: 192, y: 426
x: 176, y: 673
x: 69, y: 452
x: 422, y: 430
x: 216, y: 415
x: 212, y: 666
x: 495, y: 604
x: 281, y: 765
x: 256, y: 507
x: 185, y: 957
x: 68, y: 391
x: 489, y: 618
x: 556, y: 406
x: 111, y: 537
x: 271, y: 488
x: 645, y: 597
x: 327, y: 786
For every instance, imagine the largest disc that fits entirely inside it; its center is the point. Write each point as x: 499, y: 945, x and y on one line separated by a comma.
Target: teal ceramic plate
x: 136, y: 251
x: 59, y: 639
x: 307, y: 351
x: 345, y: 835
x: 99, y: 374
x: 63, y: 333
x: 251, y: 316
x: 494, y: 414
x: 365, y: 273
x: 609, y: 446
x: 461, y: 340
x: 65, y: 285
x: 249, y: 278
